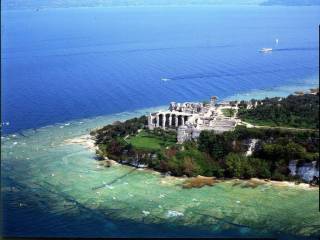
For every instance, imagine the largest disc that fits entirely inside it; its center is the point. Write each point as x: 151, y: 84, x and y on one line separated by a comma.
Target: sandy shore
x: 88, y: 142
x: 253, y: 182
x: 258, y: 181
x: 84, y: 140
x: 108, y: 161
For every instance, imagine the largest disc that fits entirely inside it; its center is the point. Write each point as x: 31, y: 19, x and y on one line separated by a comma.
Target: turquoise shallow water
x: 51, y: 188
x: 281, y: 91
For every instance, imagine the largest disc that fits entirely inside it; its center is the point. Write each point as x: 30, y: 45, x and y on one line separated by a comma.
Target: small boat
x: 165, y: 79
x: 265, y: 50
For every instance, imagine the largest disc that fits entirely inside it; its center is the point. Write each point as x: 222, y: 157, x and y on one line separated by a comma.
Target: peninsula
x: 275, y: 138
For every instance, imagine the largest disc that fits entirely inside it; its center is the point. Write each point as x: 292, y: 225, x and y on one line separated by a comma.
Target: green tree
x: 234, y: 165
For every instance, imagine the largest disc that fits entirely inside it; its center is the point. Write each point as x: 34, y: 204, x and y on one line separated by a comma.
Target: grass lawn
x: 259, y: 122
x: 228, y: 112
x: 150, y: 141
x: 270, y: 123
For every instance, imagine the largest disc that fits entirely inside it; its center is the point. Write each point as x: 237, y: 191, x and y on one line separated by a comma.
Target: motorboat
x: 265, y: 50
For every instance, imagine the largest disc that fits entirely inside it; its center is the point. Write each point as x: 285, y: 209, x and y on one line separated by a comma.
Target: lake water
x: 66, y: 71
x: 64, y: 64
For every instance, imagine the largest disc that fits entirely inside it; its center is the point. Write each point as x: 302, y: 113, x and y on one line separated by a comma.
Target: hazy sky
x: 12, y: 4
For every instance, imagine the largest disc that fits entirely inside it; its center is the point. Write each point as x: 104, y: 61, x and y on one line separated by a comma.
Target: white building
x: 190, y: 118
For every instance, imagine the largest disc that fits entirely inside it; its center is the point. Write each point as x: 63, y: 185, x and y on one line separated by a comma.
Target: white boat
x: 165, y: 79
x: 265, y: 50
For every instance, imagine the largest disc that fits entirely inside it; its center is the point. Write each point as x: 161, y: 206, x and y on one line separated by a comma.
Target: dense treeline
x: 110, y: 138
x: 219, y: 155
x: 223, y: 155
x: 293, y: 111
x: 271, y: 155
x: 119, y: 129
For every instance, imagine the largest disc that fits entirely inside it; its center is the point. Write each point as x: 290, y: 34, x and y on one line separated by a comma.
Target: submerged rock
x: 172, y: 213
x: 198, y: 182
x: 146, y: 213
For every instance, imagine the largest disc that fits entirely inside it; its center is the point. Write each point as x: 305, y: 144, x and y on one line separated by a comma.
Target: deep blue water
x: 64, y: 64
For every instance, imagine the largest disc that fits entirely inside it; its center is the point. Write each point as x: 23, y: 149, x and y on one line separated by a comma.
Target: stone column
x: 176, y: 122
x: 163, y: 121
x: 157, y: 120
x: 149, y: 119
x: 170, y: 120
x: 182, y: 120
x: 150, y: 124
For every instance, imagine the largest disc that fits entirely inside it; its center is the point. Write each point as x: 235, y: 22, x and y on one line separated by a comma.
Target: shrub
x: 234, y: 165
x: 262, y: 167
x: 277, y: 176
x: 190, y: 167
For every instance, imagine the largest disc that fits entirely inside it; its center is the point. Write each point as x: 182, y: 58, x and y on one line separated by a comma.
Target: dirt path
x: 287, y: 128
